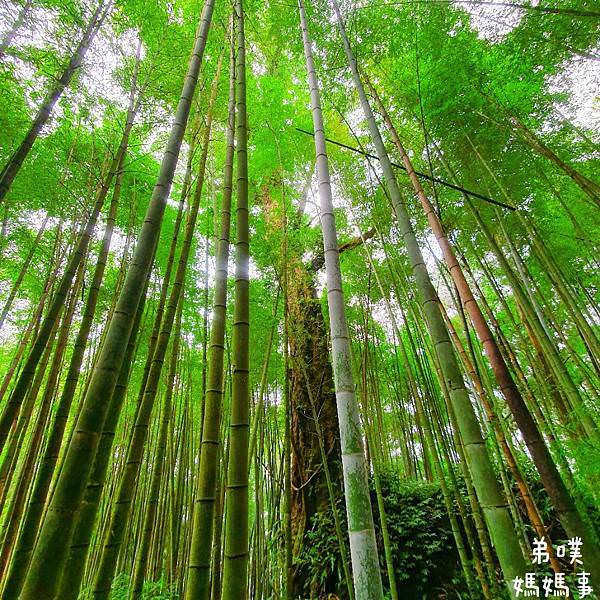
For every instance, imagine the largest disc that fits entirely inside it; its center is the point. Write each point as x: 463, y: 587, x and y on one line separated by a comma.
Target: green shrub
x: 425, y: 559
x: 153, y: 590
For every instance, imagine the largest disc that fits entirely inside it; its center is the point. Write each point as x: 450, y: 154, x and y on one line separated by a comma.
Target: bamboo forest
x: 299, y: 299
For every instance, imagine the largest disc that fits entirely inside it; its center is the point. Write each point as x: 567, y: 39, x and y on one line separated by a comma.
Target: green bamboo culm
x: 198, y: 582
x: 125, y: 495
x: 236, y: 526
x: 54, y: 538
x: 490, y: 495
x: 361, y: 530
x: 10, y: 411
x: 143, y: 550
x: 33, y: 516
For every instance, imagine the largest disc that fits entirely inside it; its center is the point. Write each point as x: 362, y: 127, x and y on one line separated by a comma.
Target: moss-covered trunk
x: 308, y: 348
x: 309, y: 365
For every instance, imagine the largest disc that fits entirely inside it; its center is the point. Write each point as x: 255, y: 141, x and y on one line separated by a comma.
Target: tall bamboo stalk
x: 236, y: 527
x: 143, y: 547
x: 125, y: 494
x: 488, y: 491
x: 198, y: 582
x: 39, y: 494
x: 54, y: 539
x: 361, y: 530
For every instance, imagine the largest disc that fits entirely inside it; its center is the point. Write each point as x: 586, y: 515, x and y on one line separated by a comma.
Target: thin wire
x: 419, y: 174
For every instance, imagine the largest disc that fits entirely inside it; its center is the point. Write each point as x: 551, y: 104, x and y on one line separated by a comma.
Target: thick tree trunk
x: 361, y: 529
x: 309, y: 364
x: 308, y: 342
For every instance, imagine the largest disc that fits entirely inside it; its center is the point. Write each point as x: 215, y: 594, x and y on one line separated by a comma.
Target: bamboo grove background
x: 298, y: 300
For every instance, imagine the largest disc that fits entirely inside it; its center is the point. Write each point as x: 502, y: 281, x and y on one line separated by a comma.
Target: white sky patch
x: 38, y: 31
x: 492, y: 23
x: 258, y: 62
x: 175, y: 15
x: 456, y: 29
x: 313, y: 209
x: 103, y: 59
x: 10, y: 332
x: 381, y: 316
x: 580, y: 77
